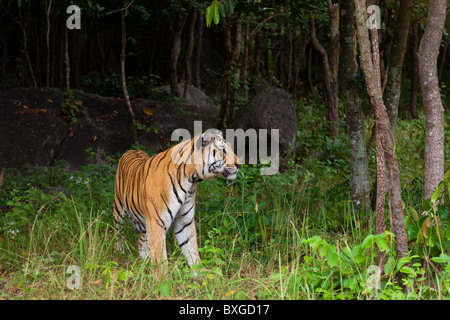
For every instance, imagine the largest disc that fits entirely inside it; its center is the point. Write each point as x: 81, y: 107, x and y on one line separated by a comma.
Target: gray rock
x: 34, y: 131
x: 272, y: 108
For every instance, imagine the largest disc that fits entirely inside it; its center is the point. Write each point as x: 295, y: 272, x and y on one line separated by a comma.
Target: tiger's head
x: 218, y: 156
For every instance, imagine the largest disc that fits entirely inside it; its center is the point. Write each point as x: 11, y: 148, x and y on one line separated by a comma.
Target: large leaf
x: 208, y: 16
x: 443, y: 258
x: 216, y: 15
x: 436, y: 194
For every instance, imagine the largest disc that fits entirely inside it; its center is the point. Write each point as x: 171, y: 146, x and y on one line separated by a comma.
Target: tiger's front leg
x: 156, y: 242
x: 186, y: 235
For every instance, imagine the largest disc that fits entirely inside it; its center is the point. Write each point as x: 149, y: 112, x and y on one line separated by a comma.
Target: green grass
x: 293, y: 235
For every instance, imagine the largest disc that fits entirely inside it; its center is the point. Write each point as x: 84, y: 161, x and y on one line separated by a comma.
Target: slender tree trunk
x: 25, y: 46
x: 223, y: 88
x: 236, y: 70
x: 198, y: 52
x: 380, y: 191
x: 310, y: 83
x: 394, y: 78
x: 371, y: 68
x: 330, y: 65
x: 123, y: 77
x: 174, y: 54
x: 348, y: 68
x: 245, y: 58
x: 47, y: 75
x: 429, y: 84
x: 188, y: 54
x: 66, y: 58
x: 415, y: 73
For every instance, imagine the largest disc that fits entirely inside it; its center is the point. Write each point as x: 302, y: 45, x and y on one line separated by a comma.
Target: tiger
x: 158, y: 192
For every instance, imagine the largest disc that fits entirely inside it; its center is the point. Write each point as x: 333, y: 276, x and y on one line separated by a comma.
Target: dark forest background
x: 275, y: 45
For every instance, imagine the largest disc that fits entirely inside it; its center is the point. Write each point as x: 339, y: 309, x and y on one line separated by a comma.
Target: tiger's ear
x: 203, y: 140
x: 208, y: 136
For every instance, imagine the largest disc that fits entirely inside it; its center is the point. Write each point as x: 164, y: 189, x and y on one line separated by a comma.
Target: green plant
x: 430, y: 231
x: 70, y: 105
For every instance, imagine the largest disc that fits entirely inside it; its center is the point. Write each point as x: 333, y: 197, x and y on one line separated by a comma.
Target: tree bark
x: 232, y: 71
x: 198, y: 51
x: 188, y: 54
x: 47, y: 74
x: 429, y: 84
x: 371, y: 68
x: 223, y: 86
x: 348, y: 68
x: 174, y: 54
x: 330, y: 65
x: 393, y: 86
x: 66, y: 58
x: 415, y: 73
x: 236, y: 71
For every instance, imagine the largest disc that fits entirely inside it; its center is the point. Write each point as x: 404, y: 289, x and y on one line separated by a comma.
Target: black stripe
x: 116, y: 210
x: 163, y: 156
x: 174, y: 189
x: 149, y: 167
x: 179, y: 179
x: 187, y: 224
x: 168, y: 209
x: 188, y: 210
x: 182, y: 244
x: 163, y: 224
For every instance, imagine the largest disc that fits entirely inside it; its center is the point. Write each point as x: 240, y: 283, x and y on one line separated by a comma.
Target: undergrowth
x: 293, y: 235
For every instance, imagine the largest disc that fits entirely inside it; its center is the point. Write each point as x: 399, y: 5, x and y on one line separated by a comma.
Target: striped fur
x: 160, y: 191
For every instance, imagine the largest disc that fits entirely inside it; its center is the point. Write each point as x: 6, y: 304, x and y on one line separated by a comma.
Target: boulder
x: 195, y: 95
x: 31, y: 127
x: 35, y: 131
x: 271, y: 108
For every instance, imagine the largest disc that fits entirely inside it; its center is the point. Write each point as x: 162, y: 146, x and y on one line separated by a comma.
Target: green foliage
x: 110, y: 84
x: 217, y: 8
x: 293, y: 235
x: 430, y: 231
x: 70, y: 105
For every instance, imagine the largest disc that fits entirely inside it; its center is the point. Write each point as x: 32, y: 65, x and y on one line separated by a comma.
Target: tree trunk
x: 371, y: 68
x: 25, y: 47
x: 188, y: 54
x: 123, y: 77
x: 232, y: 72
x: 198, y: 51
x: 393, y: 86
x: 429, y: 84
x: 348, y: 68
x: 380, y: 191
x: 223, y: 86
x: 330, y: 66
x: 415, y: 75
x: 66, y: 58
x: 47, y: 74
x: 174, y: 54
x: 245, y: 58
x: 236, y: 71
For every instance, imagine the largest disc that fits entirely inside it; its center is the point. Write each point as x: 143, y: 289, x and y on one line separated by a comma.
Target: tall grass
x: 267, y: 238
x: 294, y: 235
